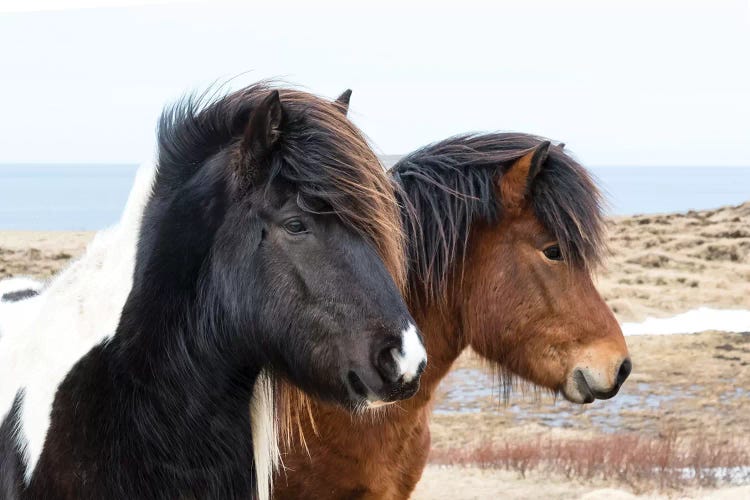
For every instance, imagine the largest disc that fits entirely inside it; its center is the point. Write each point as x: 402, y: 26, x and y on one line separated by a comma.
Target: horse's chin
x: 357, y: 405
x: 372, y: 405
x: 576, y: 397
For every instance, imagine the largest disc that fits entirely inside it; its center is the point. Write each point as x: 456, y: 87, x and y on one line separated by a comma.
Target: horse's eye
x: 295, y: 226
x: 553, y: 252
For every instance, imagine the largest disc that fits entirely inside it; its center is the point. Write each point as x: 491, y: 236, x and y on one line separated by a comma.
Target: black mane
x: 450, y: 184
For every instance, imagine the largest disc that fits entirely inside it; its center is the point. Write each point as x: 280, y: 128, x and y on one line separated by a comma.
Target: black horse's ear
x: 517, y: 180
x: 342, y: 101
x: 263, y: 130
x: 561, y: 145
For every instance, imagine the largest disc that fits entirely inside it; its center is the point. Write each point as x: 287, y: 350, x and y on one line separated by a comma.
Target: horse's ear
x: 516, y: 181
x: 342, y: 101
x: 262, y: 130
x: 561, y: 145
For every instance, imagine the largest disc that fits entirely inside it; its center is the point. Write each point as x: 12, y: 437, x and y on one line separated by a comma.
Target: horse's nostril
x: 624, y: 371
x: 387, y: 365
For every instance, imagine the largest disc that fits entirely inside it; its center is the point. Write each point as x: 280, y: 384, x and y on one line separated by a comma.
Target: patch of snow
x: 695, y: 321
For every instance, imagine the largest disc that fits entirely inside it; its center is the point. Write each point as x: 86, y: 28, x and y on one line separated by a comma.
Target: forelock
x: 323, y: 154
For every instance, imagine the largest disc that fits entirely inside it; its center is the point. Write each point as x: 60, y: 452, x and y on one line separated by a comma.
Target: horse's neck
x: 163, y: 340
x: 179, y: 395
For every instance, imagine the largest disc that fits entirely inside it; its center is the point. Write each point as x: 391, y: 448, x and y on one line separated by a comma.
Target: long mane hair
x: 332, y: 167
x: 447, y: 186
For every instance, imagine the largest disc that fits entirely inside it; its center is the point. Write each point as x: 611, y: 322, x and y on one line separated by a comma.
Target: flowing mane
x: 324, y: 160
x: 449, y: 185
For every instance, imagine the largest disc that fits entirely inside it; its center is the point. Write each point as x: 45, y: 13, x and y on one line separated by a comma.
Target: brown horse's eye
x: 295, y: 226
x: 553, y: 252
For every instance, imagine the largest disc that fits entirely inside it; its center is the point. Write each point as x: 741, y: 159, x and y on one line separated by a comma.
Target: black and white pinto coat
x: 43, y: 337
x: 44, y: 334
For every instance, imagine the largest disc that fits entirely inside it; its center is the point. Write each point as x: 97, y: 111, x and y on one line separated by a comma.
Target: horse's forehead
x: 522, y: 225
x: 277, y: 193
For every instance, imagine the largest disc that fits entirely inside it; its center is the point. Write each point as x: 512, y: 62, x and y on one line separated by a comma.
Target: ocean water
x: 91, y: 197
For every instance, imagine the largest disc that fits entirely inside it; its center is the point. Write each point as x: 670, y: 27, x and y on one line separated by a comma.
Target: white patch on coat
x: 78, y: 310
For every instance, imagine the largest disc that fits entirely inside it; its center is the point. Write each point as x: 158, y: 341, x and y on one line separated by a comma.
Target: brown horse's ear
x: 262, y: 131
x: 342, y: 101
x: 516, y: 181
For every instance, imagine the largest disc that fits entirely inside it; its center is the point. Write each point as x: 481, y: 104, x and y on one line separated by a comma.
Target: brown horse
x: 505, y: 231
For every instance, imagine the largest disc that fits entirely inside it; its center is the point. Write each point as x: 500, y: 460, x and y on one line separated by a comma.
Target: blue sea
x: 91, y: 197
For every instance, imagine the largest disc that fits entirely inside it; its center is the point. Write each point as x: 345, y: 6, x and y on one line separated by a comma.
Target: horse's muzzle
x: 395, y: 372
x: 586, y: 385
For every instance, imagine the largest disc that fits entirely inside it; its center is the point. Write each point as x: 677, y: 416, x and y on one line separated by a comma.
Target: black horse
x: 270, y: 241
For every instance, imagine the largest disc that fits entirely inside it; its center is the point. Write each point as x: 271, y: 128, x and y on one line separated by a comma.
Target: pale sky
x: 621, y: 82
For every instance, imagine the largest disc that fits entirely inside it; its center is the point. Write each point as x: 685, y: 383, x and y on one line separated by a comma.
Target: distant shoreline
x: 91, y: 197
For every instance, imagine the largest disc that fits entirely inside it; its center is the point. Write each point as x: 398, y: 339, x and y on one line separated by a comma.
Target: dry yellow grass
x: 665, y: 264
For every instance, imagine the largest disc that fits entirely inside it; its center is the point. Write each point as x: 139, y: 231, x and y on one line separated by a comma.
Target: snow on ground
x: 695, y: 321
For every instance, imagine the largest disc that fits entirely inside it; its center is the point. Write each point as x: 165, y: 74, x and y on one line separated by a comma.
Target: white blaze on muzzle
x: 412, y: 356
